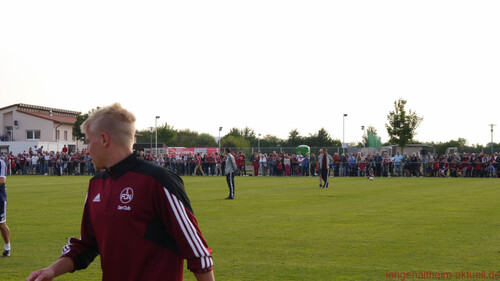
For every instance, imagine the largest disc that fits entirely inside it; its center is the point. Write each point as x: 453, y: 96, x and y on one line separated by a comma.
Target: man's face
x: 95, y: 148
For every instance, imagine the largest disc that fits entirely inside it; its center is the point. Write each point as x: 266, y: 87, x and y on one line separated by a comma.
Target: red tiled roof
x: 53, y: 114
x: 56, y: 118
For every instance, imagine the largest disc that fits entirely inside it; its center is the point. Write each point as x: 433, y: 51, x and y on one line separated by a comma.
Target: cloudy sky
x: 270, y: 65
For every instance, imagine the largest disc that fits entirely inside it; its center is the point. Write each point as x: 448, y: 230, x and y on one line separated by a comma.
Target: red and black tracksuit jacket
x: 138, y: 218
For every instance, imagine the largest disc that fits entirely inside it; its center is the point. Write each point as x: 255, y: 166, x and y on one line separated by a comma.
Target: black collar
x: 122, y: 167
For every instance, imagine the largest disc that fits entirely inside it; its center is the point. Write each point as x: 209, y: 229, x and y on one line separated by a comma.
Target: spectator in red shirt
x: 256, y: 165
x: 241, y: 163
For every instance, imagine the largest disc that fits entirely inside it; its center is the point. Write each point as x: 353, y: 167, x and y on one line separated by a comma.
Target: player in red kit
x: 136, y: 216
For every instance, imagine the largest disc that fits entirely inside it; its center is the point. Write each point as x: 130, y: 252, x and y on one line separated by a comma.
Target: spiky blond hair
x: 114, y: 119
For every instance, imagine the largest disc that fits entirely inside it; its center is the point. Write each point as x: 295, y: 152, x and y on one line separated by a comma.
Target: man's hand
x: 61, y: 266
x: 207, y: 276
x: 45, y: 274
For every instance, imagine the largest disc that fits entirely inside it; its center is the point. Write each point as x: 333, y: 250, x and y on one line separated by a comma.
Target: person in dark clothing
x: 378, y: 165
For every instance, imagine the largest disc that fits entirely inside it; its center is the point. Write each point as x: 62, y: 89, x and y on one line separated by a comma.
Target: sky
x: 273, y: 66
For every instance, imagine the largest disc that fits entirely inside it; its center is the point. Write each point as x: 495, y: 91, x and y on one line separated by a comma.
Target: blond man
x: 136, y: 216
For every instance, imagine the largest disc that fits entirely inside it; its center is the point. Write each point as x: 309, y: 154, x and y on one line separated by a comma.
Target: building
x: 25, y: 126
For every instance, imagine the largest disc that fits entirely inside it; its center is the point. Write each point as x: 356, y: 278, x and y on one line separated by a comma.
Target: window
x: 65, y: 135
x: 8, y: 130
x: 8, y: 134
x: 33, y: 134
x: 58, y: 134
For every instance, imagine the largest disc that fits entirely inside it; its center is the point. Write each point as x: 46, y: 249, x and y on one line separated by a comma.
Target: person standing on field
x: 4, y: 229
x: 198, y: 165
x: 230, y: 169
x: 136, y: 215
x: 320, y: 176
x: 325, y: 160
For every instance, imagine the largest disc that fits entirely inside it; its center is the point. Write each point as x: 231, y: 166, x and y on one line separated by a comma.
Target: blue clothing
x: 3, y: 194
x: 398, y: 159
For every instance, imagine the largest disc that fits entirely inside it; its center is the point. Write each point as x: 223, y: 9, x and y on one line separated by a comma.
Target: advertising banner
x: 176, y: 151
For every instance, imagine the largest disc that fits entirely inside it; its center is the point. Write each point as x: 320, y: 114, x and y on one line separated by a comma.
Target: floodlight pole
x: 151, y: 140
x: 220, y: 129
x: 363, y: 138
x: 492, y: 125
x: 258, y: 144
x: 156, y: 135
x: 343, y: 133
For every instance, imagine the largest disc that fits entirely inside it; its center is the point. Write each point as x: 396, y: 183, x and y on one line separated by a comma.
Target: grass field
x: 289, y: 228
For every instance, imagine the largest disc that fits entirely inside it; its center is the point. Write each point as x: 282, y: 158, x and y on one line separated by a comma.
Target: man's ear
x: 105, y: 139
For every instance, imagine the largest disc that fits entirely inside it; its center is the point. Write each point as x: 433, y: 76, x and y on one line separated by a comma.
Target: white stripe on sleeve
x: 189, y: 230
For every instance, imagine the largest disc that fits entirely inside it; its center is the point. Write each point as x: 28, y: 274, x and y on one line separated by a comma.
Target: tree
x: 77, y: 132
x: 206, y: 140
x: 402, y: 126
x: 80, y: 118
x: 185, y: 138
x: 246, y: 133
x: 271, y: 141
x: 460, y: 144
x: 235, y: 132
x: 320, y: 139
x: 370, y: 130
x: 166, y: 134
x: 294, y: 139
x: 233, y: 142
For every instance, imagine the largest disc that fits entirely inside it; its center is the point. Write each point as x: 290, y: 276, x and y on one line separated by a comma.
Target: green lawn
x: 289, y: 228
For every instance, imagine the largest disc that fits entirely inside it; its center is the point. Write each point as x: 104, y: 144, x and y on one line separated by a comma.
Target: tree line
x: 401, y: 128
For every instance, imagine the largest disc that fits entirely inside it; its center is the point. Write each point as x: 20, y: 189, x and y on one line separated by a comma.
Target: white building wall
x: 47, y: 129
x: 64, y: 128
x: 28, y: 122
x: 50, y: 146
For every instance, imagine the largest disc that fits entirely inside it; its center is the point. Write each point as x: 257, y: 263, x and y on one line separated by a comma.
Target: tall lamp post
x: 156, y: 135
x: 343, y: 133
x: 220, y: 129
x: 258, y: 144
x: 363, y: 129
x: 151, y: 140
x: 492, y: 125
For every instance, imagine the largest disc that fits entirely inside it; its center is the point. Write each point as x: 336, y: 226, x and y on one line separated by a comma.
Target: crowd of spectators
x: 416, y: 165
x: 190, y: 163
x: 39, y: 162
x: 343, y: 165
